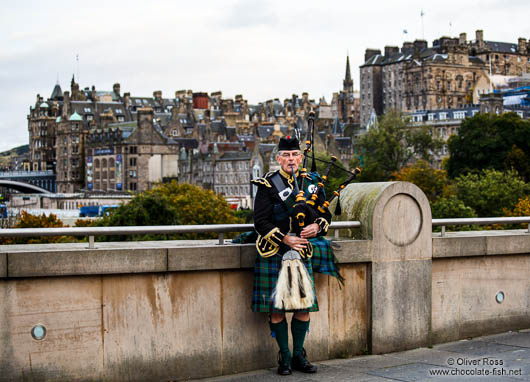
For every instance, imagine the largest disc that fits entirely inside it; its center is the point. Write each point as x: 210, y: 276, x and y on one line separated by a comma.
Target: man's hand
x: 310, y: 231
x: 295, y: 242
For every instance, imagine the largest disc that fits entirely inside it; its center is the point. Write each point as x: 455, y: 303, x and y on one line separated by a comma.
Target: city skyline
x: 260, y: 49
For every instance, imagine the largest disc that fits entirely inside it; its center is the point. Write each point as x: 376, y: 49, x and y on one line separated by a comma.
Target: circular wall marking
x: 402, y: 220
x: 38, y: 332
x: 499, y: 297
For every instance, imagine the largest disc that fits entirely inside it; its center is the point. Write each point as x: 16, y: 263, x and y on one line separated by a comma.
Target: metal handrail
x: 91, y: 232
x: 479, y: 221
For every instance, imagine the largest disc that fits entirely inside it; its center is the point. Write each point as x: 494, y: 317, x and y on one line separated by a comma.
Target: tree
x: 173, y: 204
x: 430, y: 181
x: 452, y: 207
x: 487, y: 141
x: 37, y: 221
x: 522, y: 208
x: 392, y: 144
x: 490, y: 191
x: 335, y: 176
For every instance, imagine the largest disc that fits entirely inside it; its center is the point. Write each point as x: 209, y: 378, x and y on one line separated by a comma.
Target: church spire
x: 348, y: 82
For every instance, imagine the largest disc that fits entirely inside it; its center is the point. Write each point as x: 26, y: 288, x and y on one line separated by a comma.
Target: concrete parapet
x: 86, y: 262
x: 3, y: 265
x: 395, y: 217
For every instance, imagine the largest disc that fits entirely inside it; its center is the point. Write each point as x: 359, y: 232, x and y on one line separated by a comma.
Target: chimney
x: 462, y: 39
x: 116, y: 89
x: 126, y: 99
x: 157, y: 94
x: 66, y: 104
x: 407, y: 48
x: 93, y: 94
x: 479, y: 35
x: 369, y: 53
x: 419, y: 45
x: 391, y: 50
x: 522, y: 45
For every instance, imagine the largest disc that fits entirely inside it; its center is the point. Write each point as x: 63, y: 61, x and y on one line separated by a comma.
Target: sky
x: 260, y: 49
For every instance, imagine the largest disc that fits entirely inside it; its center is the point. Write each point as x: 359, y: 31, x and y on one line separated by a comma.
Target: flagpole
x: 422, y: 28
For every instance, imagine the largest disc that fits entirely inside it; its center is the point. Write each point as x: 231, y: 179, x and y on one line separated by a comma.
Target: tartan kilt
x: 266, y: 271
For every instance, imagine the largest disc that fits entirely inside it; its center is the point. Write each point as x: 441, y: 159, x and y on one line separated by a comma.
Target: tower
x: 348, y: 82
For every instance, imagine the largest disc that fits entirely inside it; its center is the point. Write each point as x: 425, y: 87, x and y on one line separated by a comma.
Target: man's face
x: 288, y: 158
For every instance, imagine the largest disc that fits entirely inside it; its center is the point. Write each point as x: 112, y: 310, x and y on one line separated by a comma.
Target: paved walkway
x: 500, y: 357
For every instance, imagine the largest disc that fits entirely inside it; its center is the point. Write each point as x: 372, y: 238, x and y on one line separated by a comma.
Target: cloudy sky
x: 261, y: 49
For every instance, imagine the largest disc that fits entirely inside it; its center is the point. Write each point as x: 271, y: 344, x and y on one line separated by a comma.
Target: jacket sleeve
x: 269, y: 235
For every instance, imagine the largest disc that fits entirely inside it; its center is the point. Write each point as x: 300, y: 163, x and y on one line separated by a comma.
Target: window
x: 133, y: 150
x: 132, y: 186
x: 121, y: 118
x: 459, y: 114
x: 431, y: 116
x: 87, y: 110
x: 132, y: 173
x: 89, y: 117
x: 443, y: 116
x: 132, y: 161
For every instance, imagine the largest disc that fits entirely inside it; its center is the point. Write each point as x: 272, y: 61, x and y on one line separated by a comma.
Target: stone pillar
x: 396, y: 217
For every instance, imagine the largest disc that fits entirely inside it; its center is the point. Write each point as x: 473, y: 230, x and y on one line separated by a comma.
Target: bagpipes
x: 294, y: 289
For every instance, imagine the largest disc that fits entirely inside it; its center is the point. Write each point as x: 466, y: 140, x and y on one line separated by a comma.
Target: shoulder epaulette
x: 262, y: 181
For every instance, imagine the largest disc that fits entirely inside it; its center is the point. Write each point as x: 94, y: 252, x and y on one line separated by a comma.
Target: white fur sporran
x: 294, y: 289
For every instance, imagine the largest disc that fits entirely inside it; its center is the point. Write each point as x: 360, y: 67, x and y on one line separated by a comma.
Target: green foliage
x: 490, y: 191
x: 391, y: 145
x: 172, y: 204
x: 247, y: 216
x: 517, y: 159
x: 335, y: 177
x: 452, y: 207
x: 431, y: 181
x: 488, y: 141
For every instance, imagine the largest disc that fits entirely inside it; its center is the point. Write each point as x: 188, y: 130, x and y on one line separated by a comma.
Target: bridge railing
x: 479, y: 221
x: 221, y: 229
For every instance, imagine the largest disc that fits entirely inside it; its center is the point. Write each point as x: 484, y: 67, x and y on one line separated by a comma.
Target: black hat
x: 288, y: 143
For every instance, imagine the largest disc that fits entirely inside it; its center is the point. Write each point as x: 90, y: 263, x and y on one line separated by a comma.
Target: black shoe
x: 300, y: 363
x: 284, y: 366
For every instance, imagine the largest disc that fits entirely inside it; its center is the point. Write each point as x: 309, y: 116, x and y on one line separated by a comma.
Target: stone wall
x: 174, y: 310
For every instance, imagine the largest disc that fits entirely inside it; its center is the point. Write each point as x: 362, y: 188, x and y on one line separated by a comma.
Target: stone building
x: 371, y: 96
x: 506, y: 59
x: 108, y: 142
x: 452, y: 73
x: 132, y: 156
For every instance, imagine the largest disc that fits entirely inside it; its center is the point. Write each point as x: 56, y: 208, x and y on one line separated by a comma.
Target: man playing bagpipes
x: 290, y: 224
